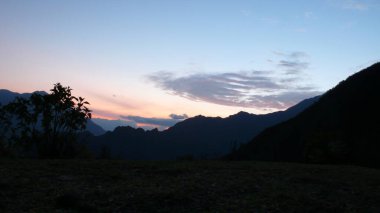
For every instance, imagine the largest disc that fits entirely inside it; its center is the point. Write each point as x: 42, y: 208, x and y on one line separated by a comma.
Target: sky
x: 154, y: 63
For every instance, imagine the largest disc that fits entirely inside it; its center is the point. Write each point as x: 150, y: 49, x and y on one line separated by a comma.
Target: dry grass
x: 185, y: 186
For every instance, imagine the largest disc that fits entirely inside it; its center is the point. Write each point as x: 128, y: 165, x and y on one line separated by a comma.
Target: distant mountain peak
x: 243, y: 113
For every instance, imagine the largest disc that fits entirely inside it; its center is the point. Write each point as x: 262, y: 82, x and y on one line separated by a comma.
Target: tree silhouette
x: 48, y: 123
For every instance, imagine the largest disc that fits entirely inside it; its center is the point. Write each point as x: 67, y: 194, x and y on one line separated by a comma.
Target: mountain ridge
x: 199, y: 136
x: 342, y: 127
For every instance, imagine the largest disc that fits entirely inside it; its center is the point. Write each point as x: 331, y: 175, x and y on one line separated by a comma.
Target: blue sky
x: 151, y: 59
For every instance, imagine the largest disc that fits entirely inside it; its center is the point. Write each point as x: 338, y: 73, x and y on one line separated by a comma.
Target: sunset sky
x: 136, y: 60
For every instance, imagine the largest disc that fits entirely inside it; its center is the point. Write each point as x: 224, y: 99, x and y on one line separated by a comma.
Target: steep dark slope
x: 200, y: 137
x: 94, y: 128
x: 7, y: 96
x: 342, y: 127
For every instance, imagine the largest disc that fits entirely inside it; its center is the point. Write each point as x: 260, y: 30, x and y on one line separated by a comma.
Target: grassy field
x: 185, y: 186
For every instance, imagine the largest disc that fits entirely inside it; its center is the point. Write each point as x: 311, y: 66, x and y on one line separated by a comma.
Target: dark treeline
x: 43, y: 125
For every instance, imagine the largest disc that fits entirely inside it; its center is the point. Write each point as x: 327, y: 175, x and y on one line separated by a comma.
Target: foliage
x: 44, y: 124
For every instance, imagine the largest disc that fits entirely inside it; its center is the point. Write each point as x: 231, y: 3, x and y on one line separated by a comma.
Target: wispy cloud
x: 178, y: 117
x: 162, y: 123
x: 284, y: 99
x: 256, y: 89
x: 355, y: 5
x: 293, y: 63
x: 112, y: 99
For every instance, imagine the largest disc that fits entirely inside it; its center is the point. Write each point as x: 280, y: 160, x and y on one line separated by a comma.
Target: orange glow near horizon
x: 114, y: 113
x: 109, y: 107
x: 140, y: 125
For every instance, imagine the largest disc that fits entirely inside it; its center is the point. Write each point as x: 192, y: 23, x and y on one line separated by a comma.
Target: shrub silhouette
x: 45, y: 125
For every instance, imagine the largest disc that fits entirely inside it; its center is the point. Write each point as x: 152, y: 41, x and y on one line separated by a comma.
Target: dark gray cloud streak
x: 178, y: 117
x: 256, y: 89
x: 162, y: 122
x: 293, y: 63
x: 282, y: 100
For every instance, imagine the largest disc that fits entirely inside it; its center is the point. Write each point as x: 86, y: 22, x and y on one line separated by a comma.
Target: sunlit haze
x: 176, y: 59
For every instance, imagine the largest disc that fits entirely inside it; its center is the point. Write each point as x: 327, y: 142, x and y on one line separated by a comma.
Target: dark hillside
x: 342, y: 127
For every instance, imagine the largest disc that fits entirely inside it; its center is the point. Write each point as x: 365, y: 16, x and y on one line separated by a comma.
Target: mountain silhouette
x: 111, y: 124
x: 7, y: 96
x: 342, y: 127
x: 196, y: 137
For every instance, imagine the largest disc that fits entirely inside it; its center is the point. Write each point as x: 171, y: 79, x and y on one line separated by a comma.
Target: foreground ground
x: 188, y: 186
